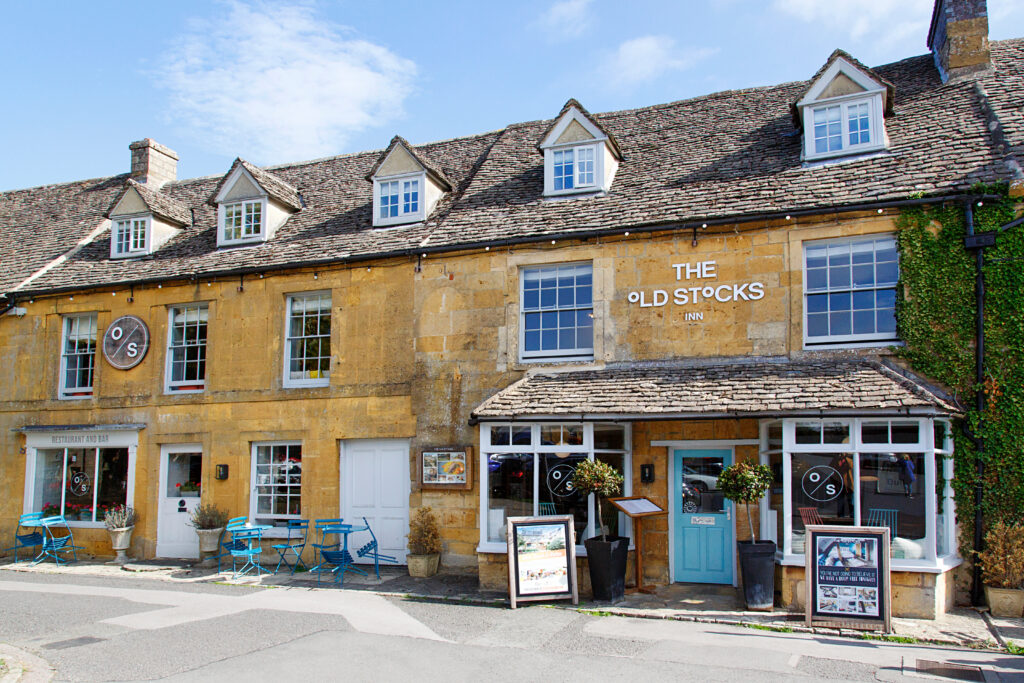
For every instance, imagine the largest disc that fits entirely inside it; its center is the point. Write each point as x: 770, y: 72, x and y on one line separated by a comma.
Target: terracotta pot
x: 120, y: 541
x: 422, y: 566
x: 1005, y: 602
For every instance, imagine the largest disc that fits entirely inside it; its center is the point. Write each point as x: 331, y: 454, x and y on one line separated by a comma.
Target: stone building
x: 677, y: 286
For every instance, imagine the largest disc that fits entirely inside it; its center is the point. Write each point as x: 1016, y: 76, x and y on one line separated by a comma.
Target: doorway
x: 375, y: 484
x: 704, y: 533
x: 181, y: 480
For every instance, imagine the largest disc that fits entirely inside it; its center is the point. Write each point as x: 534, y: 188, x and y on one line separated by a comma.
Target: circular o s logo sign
x: 822, y: 483
x: 125, y: 342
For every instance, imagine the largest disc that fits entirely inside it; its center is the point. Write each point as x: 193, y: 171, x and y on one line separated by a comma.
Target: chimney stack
x: 152, y: 163
x: 958, y: 38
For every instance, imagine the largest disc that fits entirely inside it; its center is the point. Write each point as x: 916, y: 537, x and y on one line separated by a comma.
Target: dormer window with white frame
x: 252, y: 204
x: 843, y: 111
x: 142, y: 220
x: 130, y: 236
x: 406, y: 187
x: 579, y: 156
x: 242, y: 221
x: 398, y: 201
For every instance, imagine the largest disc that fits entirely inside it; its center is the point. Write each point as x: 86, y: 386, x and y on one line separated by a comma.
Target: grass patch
x: 768, y: 627
x: 888, y: 638
x: 1013, y: 648
x: 595, y: 612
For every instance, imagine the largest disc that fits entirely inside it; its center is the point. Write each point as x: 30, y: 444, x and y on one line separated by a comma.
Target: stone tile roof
x: 890, y: 90
x: 274, y: 187
x: 730, y: 155
x: 718, y: 388
x: 161, y: 206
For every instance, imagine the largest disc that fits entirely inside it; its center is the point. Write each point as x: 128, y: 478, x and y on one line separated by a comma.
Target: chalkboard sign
x: 542, y: 559
x: 848, y: 577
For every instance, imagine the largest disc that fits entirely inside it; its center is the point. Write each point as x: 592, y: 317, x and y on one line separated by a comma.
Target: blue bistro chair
x: 246, y: 546
x: 342, y: 561
x: 53, y: 545
x: 228, y: 541
x: 323, y: 545
x: 884, y: 517
x: 32, y: 536
x: 372, y: 550
x: 298, y: 530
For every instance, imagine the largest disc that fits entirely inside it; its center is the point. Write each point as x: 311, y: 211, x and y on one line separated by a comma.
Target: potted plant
x: 424, y: 544
x: 188, y: 489
x: 208, y: 520
x: 120, y: 520
x: 606, y: 555
x: 1002, y: 569
x: 747, y: 483
x: 50, y: 510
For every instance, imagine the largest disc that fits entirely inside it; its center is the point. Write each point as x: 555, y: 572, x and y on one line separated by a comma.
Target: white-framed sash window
x: 307, y: 348
x: 557, y: 312
x: 78, y: 356
x: 186, y: 347
x: 276, y: 483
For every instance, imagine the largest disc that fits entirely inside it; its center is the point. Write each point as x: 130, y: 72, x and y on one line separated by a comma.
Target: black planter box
x: 757, y: 565
x: 607, y: 562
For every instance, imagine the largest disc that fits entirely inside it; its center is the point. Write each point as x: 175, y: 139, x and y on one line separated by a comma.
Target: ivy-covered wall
x: 936, y: 319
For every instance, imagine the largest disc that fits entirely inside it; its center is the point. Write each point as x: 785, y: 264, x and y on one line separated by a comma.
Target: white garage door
x: 375, y: 485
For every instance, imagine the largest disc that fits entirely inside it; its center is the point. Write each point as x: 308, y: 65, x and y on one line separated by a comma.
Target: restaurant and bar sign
x: 848, y: 577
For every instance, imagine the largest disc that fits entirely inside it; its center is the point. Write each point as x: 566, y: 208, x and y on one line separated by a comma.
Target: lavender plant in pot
x: 120, y: 521
x: 208, y: 520
x: 606, y: 554
x: 747, y: 483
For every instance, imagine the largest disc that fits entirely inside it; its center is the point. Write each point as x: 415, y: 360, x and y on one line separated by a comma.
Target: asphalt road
x: 100, y: 629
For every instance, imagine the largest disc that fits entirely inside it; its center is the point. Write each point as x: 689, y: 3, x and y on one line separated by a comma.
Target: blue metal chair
x: 53, y: 545
x: 298, y: 530
x: 32, y: 538
x: 883, y: 517
x: 548, y: 509
x: 342, y: 561
x: 323, y: 545
x: 246, y: 546
x: 372, y: 549
x: 227, y: 539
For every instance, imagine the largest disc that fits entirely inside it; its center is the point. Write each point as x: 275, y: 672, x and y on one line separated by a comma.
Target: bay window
x: 79, y: 483
x: 527, y: 470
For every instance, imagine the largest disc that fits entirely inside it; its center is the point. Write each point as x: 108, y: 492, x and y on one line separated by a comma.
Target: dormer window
x: 252, y: 204
x: 406, y: 187
x: 843, y: 110
x: 130, y: 236
x: 579, y: 156
x: 243, y: 221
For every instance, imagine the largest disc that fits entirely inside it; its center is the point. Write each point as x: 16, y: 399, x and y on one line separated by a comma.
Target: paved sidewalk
x: 963, y: 627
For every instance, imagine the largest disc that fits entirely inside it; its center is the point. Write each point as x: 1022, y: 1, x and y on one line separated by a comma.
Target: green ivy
x: 935, y: 311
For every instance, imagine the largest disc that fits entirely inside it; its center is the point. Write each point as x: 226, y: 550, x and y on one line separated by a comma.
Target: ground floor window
x: 79, y: 483
x: 527, y: 470
x: 861, y: 472
x: 277, y: 483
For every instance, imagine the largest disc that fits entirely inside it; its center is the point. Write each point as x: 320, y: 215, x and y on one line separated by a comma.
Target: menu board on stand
x: 848, y: 577
x: 542, y: 559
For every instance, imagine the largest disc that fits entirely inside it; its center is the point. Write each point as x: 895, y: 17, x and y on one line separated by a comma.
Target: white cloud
x: 649, y: 57
x: 279, y: 83
x: 566, y: 19
x: 900, y: 25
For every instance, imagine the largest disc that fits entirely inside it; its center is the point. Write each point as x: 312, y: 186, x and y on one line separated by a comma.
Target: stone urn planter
x: 1005, y: 602
x: 422, y: 566
x: 120, y: 541
x: 209, y: 543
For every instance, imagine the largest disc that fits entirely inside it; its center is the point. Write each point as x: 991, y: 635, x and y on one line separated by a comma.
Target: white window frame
x: 178, y: 387
x: 596, y: 147
x: 246, y: 205
x: 73, y: 393
x: 535, y: 449
x: 845, y: 103
x: 851, y: 340
x: 275, y: 532
x: 311, y: 382
x: 558, y: 355
x: 402, y: 216
x: 132, y: 224
x: 933, y: 453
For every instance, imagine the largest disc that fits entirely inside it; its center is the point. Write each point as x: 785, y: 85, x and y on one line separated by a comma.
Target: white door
x: 375, y: 485
x: 181, y: 471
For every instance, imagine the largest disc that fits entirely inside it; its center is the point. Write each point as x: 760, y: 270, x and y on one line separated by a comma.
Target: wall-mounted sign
x: 541, y: 559
x: 125, y: 342
x: 700, y: 292
x: 848, y: 577
x: 446, y: 467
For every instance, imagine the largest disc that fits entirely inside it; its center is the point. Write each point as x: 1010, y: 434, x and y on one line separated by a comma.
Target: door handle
x: 728, y: 513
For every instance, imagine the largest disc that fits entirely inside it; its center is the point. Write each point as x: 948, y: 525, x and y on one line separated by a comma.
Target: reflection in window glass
x: 557, y: 495
x: 278, y: 473
x: 49, y: 481
x: 510, y: 490
x: 891, y: 488
x: 776, y: 499
x: 822, y: 492
x: 609, y: 437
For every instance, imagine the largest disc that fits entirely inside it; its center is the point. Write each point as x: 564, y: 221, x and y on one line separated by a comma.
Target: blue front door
x: 704, y: 537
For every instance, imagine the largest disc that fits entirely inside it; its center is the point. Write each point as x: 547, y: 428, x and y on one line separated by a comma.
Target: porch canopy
x: 753, y: 387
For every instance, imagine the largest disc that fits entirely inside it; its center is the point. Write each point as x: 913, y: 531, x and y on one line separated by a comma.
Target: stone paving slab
x: 714, y: 604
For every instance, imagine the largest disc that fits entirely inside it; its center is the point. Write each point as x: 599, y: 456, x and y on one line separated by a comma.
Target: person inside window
x: 907, y: 475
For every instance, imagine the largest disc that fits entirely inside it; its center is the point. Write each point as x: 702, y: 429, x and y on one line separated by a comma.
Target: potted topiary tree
x: 208, y: 521
x: 1002, y: 569
x: 120, y: 521
x: 424, y: 544
x: 747, y: 483
x: 606, y: 555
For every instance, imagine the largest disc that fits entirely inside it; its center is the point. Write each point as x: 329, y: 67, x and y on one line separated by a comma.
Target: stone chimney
x: 152, y: 163
x: 958, y: 38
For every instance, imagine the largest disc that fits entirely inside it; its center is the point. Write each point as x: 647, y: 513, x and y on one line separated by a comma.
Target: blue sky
x: 276, y: 82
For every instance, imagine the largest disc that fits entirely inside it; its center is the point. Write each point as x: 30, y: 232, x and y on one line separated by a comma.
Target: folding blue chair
x: 227, y: 539
x: 53, y: 545
x: 371, y: 549
x: 298, y: 530
x: 342, y: 561
x: 323, y: 545
x: 246, y: 546
x: 32, y: 538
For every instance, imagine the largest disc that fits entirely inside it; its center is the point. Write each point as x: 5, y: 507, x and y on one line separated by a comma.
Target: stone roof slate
x: 718, y: 388
x: 161, y: 206
x: 730, y: 155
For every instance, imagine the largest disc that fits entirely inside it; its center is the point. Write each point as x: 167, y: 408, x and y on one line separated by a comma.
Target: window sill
x: 307, y: 384
x: 831, y: 346
x: 74, y: 397
x: 190, y: 389
x: 557, y: 359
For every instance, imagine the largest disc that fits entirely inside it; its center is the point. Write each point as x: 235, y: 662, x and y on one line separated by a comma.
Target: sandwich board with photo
x: 542, y: 559
x: 848, y: 577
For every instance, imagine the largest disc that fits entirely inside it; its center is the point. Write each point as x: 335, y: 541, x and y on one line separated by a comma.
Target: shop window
x: 186, y: 348
x: 850, y: 291
x: 557, y: 317
x: 277, y: 483
x: 78, y: 356
x: 79, y: 483
x: 892, y: 495
x: 529, y: 470
x: 308, y: 340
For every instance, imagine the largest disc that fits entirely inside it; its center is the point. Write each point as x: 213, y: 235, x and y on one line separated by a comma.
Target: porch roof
x: 720, y: 388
